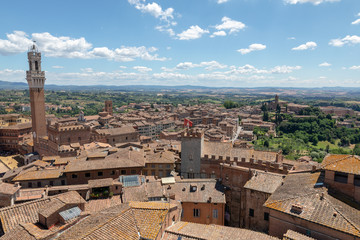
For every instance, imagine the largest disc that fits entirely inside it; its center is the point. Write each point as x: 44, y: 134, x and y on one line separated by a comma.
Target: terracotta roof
x: 317, y: 206
x: 105, y: 182
x: 188, y: 190
x: 292, y: 235
x: 124, y: 158
x: 226, y: 149
x: 28, y: 212
x: 264, y: 182
x: 187, y: 230
x: 117, y: 131
x: 121, y: 222
x: 21, y: 213
x: 342, y: 163
x: 8, y: 189
x: 39, y: 174
x: 161, y: 157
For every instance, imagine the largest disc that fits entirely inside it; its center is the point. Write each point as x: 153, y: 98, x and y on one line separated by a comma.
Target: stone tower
x: 36, y: 80
x: 192, y: 145
x: 276, y: 100
x: 108, y: 107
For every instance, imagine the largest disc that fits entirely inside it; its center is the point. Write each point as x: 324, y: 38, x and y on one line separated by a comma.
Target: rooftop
x: 342, y: 163
x: 299, y: 191
x: 187, y: 230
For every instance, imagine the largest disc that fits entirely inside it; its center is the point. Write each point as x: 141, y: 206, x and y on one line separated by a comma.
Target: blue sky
x: 234, y: 43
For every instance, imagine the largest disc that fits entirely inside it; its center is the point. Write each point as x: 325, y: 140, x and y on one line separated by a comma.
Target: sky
x: 216, y: 43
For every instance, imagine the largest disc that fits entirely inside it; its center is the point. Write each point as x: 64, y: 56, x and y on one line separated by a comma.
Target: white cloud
x: 222, y: 1
x: 16, y: 42
x: 284, y: 69
x: 324, y: 64
x: 193, y: 32
x: 354, y: 68
x: 218, y: 33
x: 322, y: 77
x: 291, y: 38
x: 154, y: 9
x: 166, y: 16
x: 230, y: 25
x: 142, y: 69
x: 251, y: 48
x: 87, y: 70
x: 306, y: 46
x: 315, y: 2
x: 339, y: 42
x: 233, y: 76
x: 186, y: 65
x: 211, y: 65
x: 57, y: 67
x: 66, y: 47
x: 357, y: 21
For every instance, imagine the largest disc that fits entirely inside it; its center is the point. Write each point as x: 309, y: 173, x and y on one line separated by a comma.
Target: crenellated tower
x: 36, y: 80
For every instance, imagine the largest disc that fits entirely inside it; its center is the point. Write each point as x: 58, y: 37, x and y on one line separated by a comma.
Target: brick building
x: 342, y: 174
x: 302, y: 205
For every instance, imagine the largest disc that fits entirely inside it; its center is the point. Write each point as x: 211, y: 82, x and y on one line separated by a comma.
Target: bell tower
x: 36, y: 80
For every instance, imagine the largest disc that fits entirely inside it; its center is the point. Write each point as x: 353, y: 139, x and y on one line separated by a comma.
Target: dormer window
x: 193, y: 188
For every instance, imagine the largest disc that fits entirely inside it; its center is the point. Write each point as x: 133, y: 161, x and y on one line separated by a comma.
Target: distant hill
x: 283, y: 90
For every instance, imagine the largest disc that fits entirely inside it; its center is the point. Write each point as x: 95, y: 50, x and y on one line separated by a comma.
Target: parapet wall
x: 247, y: 163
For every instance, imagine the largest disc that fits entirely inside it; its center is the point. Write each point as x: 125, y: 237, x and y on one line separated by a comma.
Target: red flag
x: 187, y: 123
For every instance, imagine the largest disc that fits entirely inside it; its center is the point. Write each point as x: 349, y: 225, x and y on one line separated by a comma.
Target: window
x: 74, y: 176
x: 357, y: 180
x: 79, y: 138
x: 152, y: 173
x: 215, y: 213
x: 123, y: 172
x: 112, y: 172
x: 190, y: 157
x: 160, y: 166
x: 160, y: 173
x: 39, y: 184
x: 51, y: 183
x: 87, y: 175
x: 266, y: 216
x: 251, y: 212
x: 116, y: 187
x: 341, y: 177
x: 152, y: 165
x: 196, y: 212
x: 30, y: 184
x: 133, y: 171
x: 168, y: 166
x: 100, y: 173
x: 62, y: 182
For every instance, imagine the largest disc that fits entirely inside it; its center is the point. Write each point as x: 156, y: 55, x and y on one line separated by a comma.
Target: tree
x: 266, y: 143
x: 230, y: 104
x: 266, y: 116
x: 327, y: 148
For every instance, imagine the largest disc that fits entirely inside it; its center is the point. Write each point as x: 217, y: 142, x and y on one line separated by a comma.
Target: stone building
x: 108, y: 107
x: 114, y: 136
x: 12, y: 136
x: 301, y: 204
x: 342, y: 174
x: 258, y: 189
x: 36, y: 80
